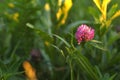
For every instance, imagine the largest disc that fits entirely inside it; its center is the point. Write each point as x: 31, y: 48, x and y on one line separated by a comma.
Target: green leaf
x: 106, y: 77
x: 113, y: 37
x: 75, y: 24
x: 47, y: 59
x: 95, y: 41
x: 61, y: 51
x: 45, y: 36
x: 94, y: 12
x: 30, y: 25
x: 98, y: 71
x: 99, y: 47
x: 86, y: 66
x: 112, y: 77
x: 66, y: 43
x: 112, y: 10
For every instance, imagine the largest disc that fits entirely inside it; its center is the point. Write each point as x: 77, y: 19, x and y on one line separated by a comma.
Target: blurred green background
x: 30, y: 33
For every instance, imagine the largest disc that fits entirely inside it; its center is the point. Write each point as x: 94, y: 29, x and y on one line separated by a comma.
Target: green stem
x: 71, y: 70
x: 89, y: 69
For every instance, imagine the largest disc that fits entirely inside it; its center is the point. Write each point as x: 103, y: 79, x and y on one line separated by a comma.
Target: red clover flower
x: 84, y: 33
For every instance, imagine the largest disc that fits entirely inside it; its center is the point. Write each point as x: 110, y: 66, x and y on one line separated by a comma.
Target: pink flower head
x: 84, y: 33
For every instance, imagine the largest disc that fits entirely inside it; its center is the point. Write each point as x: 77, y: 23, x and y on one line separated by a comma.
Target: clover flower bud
x: 84, y: 33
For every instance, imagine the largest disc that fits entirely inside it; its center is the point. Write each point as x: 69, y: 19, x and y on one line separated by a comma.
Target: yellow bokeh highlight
x: 67, y: 5
x: 59, y: 13
x: 29, y: 71
x: 63, y: 10
x: 15, y: 16
x: 102, y: 7
x: 59, y: 3
x: 115, y: 15
x: 47, y: 43
x: 47, y: 7
x: 11, y: 5
x: 97, y: 2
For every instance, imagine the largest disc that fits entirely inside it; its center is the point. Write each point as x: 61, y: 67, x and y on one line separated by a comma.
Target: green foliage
x: 29, y: 31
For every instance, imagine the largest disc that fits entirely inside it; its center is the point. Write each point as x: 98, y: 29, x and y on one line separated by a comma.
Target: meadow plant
x: 59, y: 40
x: 84, y: 33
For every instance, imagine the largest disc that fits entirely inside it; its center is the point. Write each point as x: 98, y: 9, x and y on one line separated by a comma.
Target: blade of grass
x: 66, y: 43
